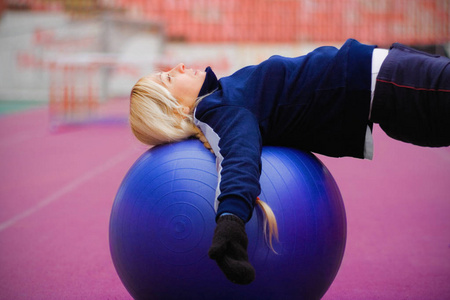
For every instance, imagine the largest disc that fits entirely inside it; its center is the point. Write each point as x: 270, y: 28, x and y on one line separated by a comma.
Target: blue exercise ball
x: 162, y: 224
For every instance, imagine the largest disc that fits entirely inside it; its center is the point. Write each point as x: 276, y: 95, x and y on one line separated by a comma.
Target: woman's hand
x: 229, y: 250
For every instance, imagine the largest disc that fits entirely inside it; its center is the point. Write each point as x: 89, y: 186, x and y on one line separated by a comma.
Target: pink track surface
x: 57, y: 189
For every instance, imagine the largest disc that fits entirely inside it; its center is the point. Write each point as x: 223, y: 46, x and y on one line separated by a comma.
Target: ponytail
x: 199, y: 134
x: 270, y: 223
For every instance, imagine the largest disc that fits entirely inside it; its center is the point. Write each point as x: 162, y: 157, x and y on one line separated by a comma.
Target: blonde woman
x: 324, y: 102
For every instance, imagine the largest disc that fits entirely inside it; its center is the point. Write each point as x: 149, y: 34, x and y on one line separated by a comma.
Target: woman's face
x: 184, y: 84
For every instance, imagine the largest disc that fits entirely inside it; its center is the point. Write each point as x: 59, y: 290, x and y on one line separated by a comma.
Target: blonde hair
x: 157, y: 118
x: 270, y: 226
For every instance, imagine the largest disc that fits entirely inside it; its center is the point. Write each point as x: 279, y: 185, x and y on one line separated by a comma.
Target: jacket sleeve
x: 234, y: 135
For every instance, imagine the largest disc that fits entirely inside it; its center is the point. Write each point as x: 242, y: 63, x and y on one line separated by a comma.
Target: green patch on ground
x: 7, y: 107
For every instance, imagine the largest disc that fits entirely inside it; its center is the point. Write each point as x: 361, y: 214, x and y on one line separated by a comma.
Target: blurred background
x: 81, y: 57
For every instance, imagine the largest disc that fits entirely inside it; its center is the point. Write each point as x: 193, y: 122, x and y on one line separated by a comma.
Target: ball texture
x: 163, y: 220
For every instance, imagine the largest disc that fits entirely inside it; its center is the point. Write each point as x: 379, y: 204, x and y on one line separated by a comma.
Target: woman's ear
x: 186, y: 110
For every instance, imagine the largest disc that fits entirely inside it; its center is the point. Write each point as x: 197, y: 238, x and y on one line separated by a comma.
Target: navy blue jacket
x: 318, y: 102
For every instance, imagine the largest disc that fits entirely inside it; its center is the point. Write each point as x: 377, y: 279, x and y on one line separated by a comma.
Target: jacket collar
x: 210, y: 84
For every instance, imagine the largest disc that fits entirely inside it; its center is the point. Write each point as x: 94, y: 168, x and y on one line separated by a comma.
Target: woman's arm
x: 233, y: 133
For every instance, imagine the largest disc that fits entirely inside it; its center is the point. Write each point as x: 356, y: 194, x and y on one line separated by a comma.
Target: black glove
x: 229, y: 250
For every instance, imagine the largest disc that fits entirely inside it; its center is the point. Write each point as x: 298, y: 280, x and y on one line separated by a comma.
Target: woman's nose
x: 180, y: 68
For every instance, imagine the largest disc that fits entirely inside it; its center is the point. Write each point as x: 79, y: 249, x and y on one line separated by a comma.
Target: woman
x: 324, y: 102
